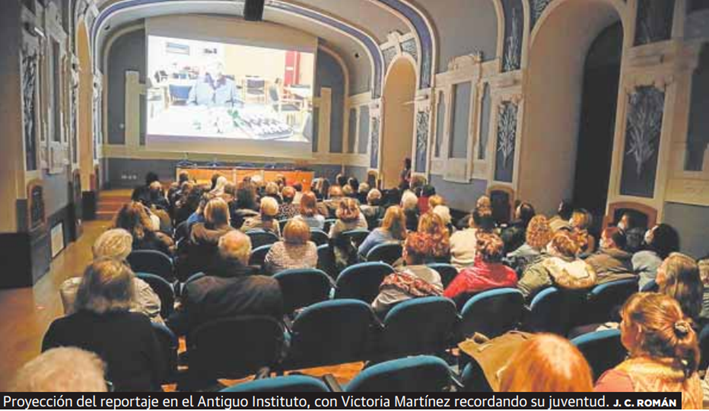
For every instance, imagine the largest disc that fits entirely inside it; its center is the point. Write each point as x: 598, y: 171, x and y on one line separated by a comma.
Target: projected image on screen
x: 216, y: 90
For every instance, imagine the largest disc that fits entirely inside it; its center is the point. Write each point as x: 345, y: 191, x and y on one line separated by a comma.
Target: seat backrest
x: 258, y: 255
x: 234, y: 347
x: 328, y: 223
x: 361, y: 281
x: 319, y: 237
x: 547, y: 312
x: 164, y: 291
x: 387, y: 252
x: 419, y: 326
x: 492, y: 312
x: 357, y: 236
x: 447, y: 272
x: 331, y: 332
x: 168, y: 346
x: 261, y: 237
x: 153, y: 262
x: 413, y: 374
x: 326, y: 261
x: 290, y: 383
x: 605, y: 300
x: 303, y: 287
x: 650, y: 287
x: 602, y: 349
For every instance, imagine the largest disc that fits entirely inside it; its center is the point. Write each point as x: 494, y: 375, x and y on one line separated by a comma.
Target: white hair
x: 62, y: 369
x: 235, y: 245
x: 115, y: 243
x: 444, y: 212
x: 409, y: 200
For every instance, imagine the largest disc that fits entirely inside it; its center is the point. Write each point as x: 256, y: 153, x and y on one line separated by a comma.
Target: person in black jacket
x: 103, y: 324
x: 229, y: 289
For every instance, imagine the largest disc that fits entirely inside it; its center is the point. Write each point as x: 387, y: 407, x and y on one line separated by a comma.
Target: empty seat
x: 386, y: 253
x: 326, y: 260
x: 234, y: 347
x: 602, y: 349
x: 361, y: 281
x: 492, y: 313
x: 319, y: 237
x: 258, y: 255
x: 164, y: 291
x: 473, y: 379
x: 549, y: 311
x: 356, y: 236
x: 261, y: 237
x: 331, y: 332
x: 153, y: 262
x: 605, y: 300
x: 303, y: 287
x: 290, y: 383
x: 447, y: 272
x: 413, y: 374
x: 418, y: 326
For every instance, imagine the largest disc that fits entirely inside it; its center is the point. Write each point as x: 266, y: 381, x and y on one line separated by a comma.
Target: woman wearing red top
x: 488, y: 271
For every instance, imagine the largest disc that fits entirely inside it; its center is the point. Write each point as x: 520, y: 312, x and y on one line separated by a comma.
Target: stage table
x: 203, y: 175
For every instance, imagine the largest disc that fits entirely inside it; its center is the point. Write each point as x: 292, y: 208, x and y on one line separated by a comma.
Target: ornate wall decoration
x: 389, y: 56
x: 654, y: 21
x: 409, y: 47
x: 506, y: 141
x: 642, y: 141
x: 374, y: 139
x: 514, y: 31
x: 422, y: 122
x: 538, y: 7
x: 29, y: 106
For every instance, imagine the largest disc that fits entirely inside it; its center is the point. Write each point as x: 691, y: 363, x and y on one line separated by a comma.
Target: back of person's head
x: 417, y: 182
x: 565, y: 210
x: 107, y: 285
x: 155, y: 187
x: 230, y: 189
x: 347, y: 191
x: 341, y: 180
x: 482, y: 220
x: 296, y: 231
x: 374, y: 197
x: 335, y: 192
x: 564, y: 244
x: 395, y: 222
x: 271, y: 189
x: 140, y: 194
x: 246, y: 195
x: 298, y: 187
x: 183, y: 177
x: 363, y: 188
x: 418, y: 248
x: 547, y: 363
x: 215, y: 179
x: 324, y: 188
x: 524, y: 213
x: 348, y: 210
x: 613, y: 237
x: 150, y: 177
x: 436, y: 200
x: 664, y: 240
x: 288, y: 194
x: 409, y: 201
x: 483, y: 204
x: 216, y: 213
x: 654, y: 326
x: 433, y: 225
x: 490, y: 248
x: 581, y: 219
x: 133, y: 218
x: 235, y: 246
x: 308, y: 204
x: 428, y: 191
x: 354, y: 183
x: 444, y: 212
x: 269, y: 207
x: 63, y: 369
x: 538, y: 233
x: 678, y: 277
x: 372, y: 178
x: 116, y: 243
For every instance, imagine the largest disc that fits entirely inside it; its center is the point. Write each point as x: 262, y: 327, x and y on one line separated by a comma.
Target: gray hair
x: 107, y: 285
x: 409, y: 200
x: 115, y: 243
x: 61, y: 370
x: 235, y: 245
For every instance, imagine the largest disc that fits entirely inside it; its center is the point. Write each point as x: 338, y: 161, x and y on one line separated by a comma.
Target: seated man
x: 229, y: 289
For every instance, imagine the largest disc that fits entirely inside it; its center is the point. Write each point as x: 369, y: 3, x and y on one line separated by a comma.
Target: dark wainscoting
x: 89, y: 203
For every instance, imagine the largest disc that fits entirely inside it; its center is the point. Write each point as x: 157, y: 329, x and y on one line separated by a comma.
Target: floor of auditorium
x: 28, y: 312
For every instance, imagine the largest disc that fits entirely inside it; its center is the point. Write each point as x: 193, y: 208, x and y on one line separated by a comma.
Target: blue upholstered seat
x: 361, y: 281
x: 303, y: 287
x: 290, y: 383
x: 153, y: 262
x: 386, y: 253
x: 492, y: 312
x: 413, y: 374
x: 602, y: 349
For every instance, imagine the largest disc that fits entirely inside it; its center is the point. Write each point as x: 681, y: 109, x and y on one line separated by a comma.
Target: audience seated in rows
x: 309, y: 212
x: 204, y: 237
x: 611, y: 262
x: 663, y: 350
x: 294, y: 251
x: 537, y: 236
x: 561, y: 268
x: 412, y: 279
x: 66, y: 369
x: 464, y: 242
x: 103, y: 324
x: 372, y: 208
x: 266, y: 220
x: 393, y: 229
x: 660, y: 241
x: 432, y: 225
x: 134, y: 218
x: 348, y: 218
x: 229, y: 288
x: 514, y: 235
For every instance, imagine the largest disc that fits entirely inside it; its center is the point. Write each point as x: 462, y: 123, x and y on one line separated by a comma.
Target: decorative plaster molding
x: 465, y: 61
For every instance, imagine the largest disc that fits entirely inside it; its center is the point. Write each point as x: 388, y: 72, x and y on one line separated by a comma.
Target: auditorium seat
x: 258, y: 256
x: 605, y: 300
x: 413, y: 374
x: 261, y: 237
x: 328, y: 223
x: 386, y: 253
x: 331, y: 332
x: 290, y: 383
x: 319, y: 237
x: 492, y: 312
x: 418, y: 326
x: 164, y: 291
x: 473, y: 378
x: 168, y: 345
x: 547, y: 313
x: 356, y: 236
x: 303, y: 287
x: 603, y: 350
x: 447, y: 272
x: 153, y: 262
x: 326, y: 261
x: 361, y: 281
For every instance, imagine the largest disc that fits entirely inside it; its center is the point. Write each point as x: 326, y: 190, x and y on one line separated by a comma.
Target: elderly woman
x: 133, y: 218
x: 663, y: 350
x: 393, y: 229
x: 103, y: 324
x: 294, y: 251
x: 309, y: 211
x: 348, y: 218
x: 272, y: 191
x: 116, y: 244
x: 537, y: 236
x: 204, y: 237
x: 413, y: 280
x: 66, y: 369
x: 266, y: 220
x: 373, y: 210
x: 409, y: 202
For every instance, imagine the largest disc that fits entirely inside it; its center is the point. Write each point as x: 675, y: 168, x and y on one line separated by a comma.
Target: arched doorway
x: 398, y: 131
x: 555, y: 89
x: 85, y: 112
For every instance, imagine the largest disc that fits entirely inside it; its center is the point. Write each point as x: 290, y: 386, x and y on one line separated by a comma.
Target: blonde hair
x: 271, y: 189
x: 374, y: 195
x: 115, y: 243
x: 62, y: 369
x: 565, y: 244
x: 436, y: 200
x: 363, y: 188
x: 432, y: 224
x: 347, y: 210
x: 216, y: 213
x: 107, y: 285
x: 539, y: 232
x: 296, y: 231
x: 444, y: 212
x: 395, y: 222
x: 269, y: 207
x: 235, y: 245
